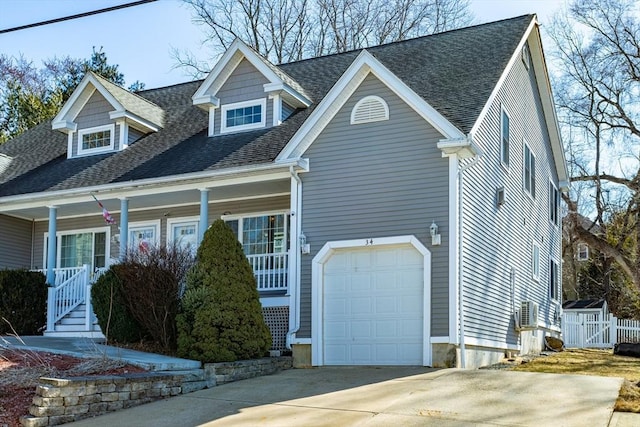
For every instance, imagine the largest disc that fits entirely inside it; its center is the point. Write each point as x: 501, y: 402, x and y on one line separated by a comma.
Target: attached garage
x: 371, y: 303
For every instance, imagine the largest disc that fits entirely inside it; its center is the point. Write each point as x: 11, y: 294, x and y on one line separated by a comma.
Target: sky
x: 141, y: 39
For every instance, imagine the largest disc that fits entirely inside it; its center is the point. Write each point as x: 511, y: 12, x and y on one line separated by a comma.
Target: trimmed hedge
x: 112, y: 312
x: 23, y: 302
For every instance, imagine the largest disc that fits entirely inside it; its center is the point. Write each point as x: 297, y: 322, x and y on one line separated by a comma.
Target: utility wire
x: 79, y: 15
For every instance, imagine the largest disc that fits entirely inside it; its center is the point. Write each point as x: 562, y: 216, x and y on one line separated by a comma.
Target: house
x: 398, y: 204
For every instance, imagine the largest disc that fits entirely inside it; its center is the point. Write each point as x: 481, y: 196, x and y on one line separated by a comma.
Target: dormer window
x: 244, y: 115
x: 96, y: 139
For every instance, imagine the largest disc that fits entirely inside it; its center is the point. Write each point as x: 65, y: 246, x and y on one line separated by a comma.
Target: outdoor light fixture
x: 305, y: 247
x: 435, y: 237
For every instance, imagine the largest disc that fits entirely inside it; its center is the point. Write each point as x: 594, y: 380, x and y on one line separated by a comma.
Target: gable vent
x: 369, y: 109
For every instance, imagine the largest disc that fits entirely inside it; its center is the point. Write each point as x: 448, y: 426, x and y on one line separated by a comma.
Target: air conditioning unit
x: 527, y: 316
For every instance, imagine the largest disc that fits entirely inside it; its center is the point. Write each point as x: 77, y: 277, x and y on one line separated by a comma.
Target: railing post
x: 613, y: 330
x: 50, y: 308
x: 87, y: 297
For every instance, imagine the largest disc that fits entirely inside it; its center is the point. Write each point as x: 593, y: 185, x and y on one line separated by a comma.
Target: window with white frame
x: 554, y: 204
x: 554, y: 284
x: 183, y: 232
x: 582, y: 252
x: 243, y: 115
x: 535, y: 262
x: 143, y: 236
x: 504, y: 137
x: 96, y: 139
x: 77, y: 248
x: 262, y: 233
x: 529, y: 171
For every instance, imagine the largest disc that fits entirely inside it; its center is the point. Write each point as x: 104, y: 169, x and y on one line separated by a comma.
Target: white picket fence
x: 597, y: 330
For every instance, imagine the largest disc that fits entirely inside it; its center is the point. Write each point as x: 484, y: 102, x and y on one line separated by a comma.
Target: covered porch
x: 260, y: 206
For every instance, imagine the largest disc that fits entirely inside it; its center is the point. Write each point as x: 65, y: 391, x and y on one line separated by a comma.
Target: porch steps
x: 73, y: 325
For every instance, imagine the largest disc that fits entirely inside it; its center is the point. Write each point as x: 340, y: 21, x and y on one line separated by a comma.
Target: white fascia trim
x: 440, y: 340
x: 453, y: 248
x: 317, y: 289
x: 301, y: 341
x: 364, y: 64
x: 24, y: 201
x: 462, y: 148
x: 64, y: 126
x: 477, y: 342
x: 206, y: 101
x: 281, y: 301
x: 138, y: 122
x: 302, y: 101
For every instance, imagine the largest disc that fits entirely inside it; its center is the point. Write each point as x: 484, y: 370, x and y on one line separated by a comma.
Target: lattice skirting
x: 277, y: 319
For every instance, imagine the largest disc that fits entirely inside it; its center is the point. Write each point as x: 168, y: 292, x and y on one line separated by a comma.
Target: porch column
x: 124, y: 227
x: 204, y: 213
x: 51, y: 247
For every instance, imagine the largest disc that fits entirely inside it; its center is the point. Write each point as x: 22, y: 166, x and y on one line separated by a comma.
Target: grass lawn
x: 594, y: 362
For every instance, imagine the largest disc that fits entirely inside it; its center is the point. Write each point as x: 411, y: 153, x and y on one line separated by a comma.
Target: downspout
x: 461, y: 170
x: 294, y: 285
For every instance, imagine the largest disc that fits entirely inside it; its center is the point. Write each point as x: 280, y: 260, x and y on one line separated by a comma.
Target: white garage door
x: 373, y: 307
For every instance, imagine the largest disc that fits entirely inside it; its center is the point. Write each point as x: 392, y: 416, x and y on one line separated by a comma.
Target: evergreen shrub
x: 23, y: 302
x: 115, y: 319
x: 221, y: 317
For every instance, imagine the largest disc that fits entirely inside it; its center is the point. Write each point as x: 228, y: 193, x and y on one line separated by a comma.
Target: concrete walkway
x: 88, y: 347
x: 390, y: 396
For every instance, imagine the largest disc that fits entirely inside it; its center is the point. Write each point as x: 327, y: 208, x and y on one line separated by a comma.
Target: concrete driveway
x: 389, y: 396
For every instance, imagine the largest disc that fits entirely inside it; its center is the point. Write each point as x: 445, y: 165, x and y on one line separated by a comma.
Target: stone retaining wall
x: 63, y: 400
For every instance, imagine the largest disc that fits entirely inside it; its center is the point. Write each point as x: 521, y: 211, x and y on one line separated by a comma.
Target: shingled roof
x: 455, y: 72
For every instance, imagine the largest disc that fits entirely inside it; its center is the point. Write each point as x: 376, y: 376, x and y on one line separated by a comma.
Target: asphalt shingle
x: 455, y: 72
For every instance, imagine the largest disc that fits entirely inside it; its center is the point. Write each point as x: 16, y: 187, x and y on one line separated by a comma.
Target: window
x: 369, y: 109
x: 76, y: 248
x: 504, y: 138
x: 243, y: 115
x: 143, y: 235
x: 535, y: 262
x: 96, y: 140
x: 554, y: 204
x: 183, y: 232
x: 553, y: 280
x: 582, y: 252
x: 529, y: 171
x: 262, y: 234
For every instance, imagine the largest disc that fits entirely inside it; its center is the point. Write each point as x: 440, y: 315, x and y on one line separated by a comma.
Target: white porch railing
x: 270, y: 270
x: 71, y: 287
x: 597, y: 331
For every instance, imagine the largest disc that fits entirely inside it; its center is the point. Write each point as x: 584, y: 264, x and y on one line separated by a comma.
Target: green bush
x: 23, y: 302
x: 114, y: 316
x: 221, y: 316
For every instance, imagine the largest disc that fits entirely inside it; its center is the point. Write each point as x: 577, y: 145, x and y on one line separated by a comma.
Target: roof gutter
x: 195, y: 177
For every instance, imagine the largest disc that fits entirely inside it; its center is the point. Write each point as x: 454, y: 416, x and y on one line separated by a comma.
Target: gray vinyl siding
x: 244, y: 84
x: 215, y: 211
x: 373, y: 180
x: 287, y: 110
x: 499, y: 239
x: 15, y: 242
x: 134, y: 135
x: 95, y: 113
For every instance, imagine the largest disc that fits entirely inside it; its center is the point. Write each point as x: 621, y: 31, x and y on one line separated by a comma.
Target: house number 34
x: 368, y: 242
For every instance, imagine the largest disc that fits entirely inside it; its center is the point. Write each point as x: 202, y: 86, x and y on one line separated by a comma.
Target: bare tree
x: 290, y: 30
x: 598, y: 89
